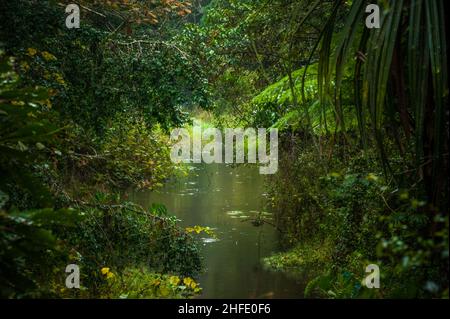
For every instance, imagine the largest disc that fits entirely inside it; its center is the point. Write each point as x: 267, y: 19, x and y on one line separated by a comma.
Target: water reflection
x: 226, y: 199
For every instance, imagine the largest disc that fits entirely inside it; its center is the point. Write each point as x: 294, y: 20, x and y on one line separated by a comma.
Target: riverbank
x: 227, y: 198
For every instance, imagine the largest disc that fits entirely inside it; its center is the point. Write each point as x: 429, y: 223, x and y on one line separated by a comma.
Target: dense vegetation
x: 85, y: 113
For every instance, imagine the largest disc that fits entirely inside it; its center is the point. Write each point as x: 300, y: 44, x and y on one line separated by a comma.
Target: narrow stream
x: 223, y: 198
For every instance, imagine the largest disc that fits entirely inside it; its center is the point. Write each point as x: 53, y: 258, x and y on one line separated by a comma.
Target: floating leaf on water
x: 266, y: 213
x: 260, y: 213
x: 209, y: 240
x: 234, y: 212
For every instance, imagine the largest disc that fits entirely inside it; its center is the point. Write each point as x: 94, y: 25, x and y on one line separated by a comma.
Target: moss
x: 303, y: 259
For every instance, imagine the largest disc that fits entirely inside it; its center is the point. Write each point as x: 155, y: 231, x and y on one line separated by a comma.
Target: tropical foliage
x: 85, y: 116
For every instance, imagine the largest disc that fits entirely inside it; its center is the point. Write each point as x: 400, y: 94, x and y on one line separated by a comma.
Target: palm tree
x: 400, y: 82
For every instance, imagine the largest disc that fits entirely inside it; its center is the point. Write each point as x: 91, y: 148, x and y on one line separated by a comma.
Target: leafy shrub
x: 125, y: 236
x: 38, y: 240
x: 137, y: 156
x: 29, y: 251
x: 140, y: 283
x: 365, y: 219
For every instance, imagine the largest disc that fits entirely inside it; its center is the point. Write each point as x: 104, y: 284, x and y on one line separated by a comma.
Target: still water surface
x: 224, y: 198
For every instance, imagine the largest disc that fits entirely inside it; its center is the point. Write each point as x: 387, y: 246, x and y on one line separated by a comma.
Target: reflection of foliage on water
x: 256, y: 218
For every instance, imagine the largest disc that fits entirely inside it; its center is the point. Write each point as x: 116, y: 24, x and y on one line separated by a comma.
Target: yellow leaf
x: 164, y: 291
x: 174, y: 280
x: 156, y: 282
x: 20, y: 103
x: 48, y: 56
x: 25, y: 66
x: 187, y: 281
x: 105, y: 270
x: 197, y: 290
x: 31, y: 51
